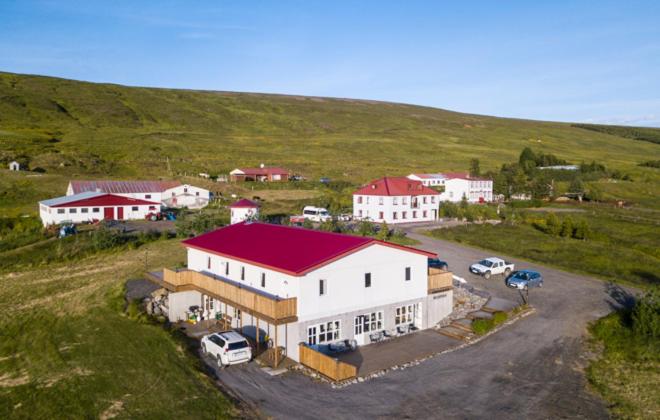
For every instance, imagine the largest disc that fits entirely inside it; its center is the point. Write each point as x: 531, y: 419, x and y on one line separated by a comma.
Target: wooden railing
x: 274, y: 308
x: 325, y: 365
x: 439, y: 280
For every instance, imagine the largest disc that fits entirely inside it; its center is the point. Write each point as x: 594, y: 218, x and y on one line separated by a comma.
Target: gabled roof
x: 244, y: 203
x: 273, y: 170
x: 456, y: 175
x: 429, y: 176
x: 291, y: 250
x: 123, y: 187
x: 395, y: 186
x: 90, y: 199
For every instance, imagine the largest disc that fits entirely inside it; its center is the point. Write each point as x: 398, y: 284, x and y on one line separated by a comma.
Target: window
x: 424, y: 199
x: 394, y: 215
x: 147, y: 196
x: 237, y: 314
x: 73, y: 210
x: 403, y: 214
x: 424, y: 213
x: 263, y: 279
x: 367, y: 199
x: 185, y: 190
x: 380, y: 200
x: 208, y: 263
x: 359, y: 199
x: 368, y: 322
x: 197, y: 193
x: 152, y: 207
x: 407, y: 273
x: 227, y: 268
x: 380, y: 214
x: 134, y: 208
x: 433, y: 199
x: 95, y: 210
x: 404, y: 201
x: 360, y: 213
x: 84, y: 210
x: 405, y: 314
x: 242, y: 272
x: 60, y: 211
x: 367, y: 279
x: 394, y: 201
x: 323, y: 333
x: 173, y: 194
x: 414, y: 214
x: 322, y: 287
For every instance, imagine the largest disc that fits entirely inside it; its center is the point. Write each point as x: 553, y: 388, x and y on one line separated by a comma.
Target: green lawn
x: 68, y: 351
x: 623, y: 246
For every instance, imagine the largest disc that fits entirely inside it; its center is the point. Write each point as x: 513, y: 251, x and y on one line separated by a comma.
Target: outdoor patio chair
x: 402, y: 329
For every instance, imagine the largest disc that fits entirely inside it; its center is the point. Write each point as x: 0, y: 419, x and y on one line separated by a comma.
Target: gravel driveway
x: 531, y: 369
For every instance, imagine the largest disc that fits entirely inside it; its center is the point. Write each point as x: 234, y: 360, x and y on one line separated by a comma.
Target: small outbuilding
x: 243, y: 210
x: 14, y: 166
x: 92, y: 206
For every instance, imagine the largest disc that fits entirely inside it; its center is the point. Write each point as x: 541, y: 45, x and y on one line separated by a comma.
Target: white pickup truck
x: 491, y: 266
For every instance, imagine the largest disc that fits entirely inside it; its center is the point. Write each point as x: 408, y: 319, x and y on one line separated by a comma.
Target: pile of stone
x: 157, y: 302
x: 465, y: 302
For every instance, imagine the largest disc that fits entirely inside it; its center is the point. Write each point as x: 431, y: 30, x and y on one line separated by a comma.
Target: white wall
x: 371, y: 207
x: 240, y: 214
x: 277, y: 283
x: 186, y: 196
x: 179, y: 303
x: 345, y: 290
x: 51, y: 216
x: 472, y: 189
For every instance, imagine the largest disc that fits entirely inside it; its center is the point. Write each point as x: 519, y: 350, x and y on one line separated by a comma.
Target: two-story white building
x: 298, y: 285
x: 396, y: 200
x: 171, y: 194
x: 456, y: 185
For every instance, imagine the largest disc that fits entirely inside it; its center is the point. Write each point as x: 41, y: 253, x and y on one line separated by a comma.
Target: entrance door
x: 359, y: 329
x: 108, y: 213
x: 120, y: 213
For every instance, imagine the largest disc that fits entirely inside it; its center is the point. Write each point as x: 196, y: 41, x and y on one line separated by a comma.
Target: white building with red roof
x: 456, y: 185
x: 171, y: 194
x: 261, y: 174
x: 244, y: 210
x: 92, y: 206
x: 300, y: 285
x: 396, y: 200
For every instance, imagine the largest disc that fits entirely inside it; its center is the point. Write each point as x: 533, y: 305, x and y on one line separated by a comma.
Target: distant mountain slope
x: 87, y: 129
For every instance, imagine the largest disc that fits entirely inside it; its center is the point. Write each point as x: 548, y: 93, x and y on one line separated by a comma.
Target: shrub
x: 500, y: 317
x: 365, y: 228
x: 481, y: 326
x: 566, y: 230
x: 582, y: 230
x: 646, y: 315
x: 553, y: 224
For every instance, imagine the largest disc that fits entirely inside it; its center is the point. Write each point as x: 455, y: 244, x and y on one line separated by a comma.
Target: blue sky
x: 566, y: 61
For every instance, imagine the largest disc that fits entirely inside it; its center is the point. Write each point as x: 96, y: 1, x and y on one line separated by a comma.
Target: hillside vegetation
x: 77, y: 129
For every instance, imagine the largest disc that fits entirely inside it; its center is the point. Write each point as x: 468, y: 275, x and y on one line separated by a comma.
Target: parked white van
x: 316, y: 214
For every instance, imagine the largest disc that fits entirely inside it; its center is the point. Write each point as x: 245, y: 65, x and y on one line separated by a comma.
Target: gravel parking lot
x: 533, y: 368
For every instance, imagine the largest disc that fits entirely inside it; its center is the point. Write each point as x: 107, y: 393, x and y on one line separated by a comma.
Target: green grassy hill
x: 78, y: 129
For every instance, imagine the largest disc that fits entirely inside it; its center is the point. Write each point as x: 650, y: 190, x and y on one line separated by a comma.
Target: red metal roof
x: 244, y: 203
x: 395, y: 186
x: 107, y: 200
x: 123, y: 187
x: 292, y: 250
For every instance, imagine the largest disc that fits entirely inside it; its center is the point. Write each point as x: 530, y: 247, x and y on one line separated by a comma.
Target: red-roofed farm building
x: 396, y: 200
x: 92, y: 206
x: 299, y: 285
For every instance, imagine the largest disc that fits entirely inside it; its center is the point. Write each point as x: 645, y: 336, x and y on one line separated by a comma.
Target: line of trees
x: 566, y: 227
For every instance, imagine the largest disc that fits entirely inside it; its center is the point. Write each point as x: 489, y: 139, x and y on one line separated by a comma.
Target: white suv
x: 229, y: 348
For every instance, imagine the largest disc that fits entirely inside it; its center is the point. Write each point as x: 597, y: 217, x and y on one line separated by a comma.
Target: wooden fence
x: 439, y: 280
x: 326, y: 365
x: 270, y: 307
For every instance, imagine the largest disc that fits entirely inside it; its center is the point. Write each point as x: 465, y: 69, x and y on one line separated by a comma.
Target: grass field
x: 76, y: 129
x: 68, y: 351
x: 623, y: 246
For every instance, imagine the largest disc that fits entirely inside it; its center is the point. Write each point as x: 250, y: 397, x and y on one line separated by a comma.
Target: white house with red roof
x: 396, y: 200
x: 260, y: 174
x: 243, y: 210
x: 92, y: 206
x: 456, y: 185
x: 300, y: 285
x: 171, y: 194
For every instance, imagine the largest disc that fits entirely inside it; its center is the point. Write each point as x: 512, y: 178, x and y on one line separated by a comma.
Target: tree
x: 593, y: 194
x: 384, y: 232
x: 365, y: 228
x: 646, y: 315
x: 566, y: 227
x: 582, y: 230
x: 576, y: 186
x: 475, y: 170
x: 541, y: 187
x: 552, y: 224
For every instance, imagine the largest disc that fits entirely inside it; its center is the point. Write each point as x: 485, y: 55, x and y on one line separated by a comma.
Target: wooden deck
x: 270, y: 308
x: 439, y: 280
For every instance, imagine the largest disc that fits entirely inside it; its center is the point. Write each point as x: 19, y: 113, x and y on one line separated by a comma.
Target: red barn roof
x: 291, y: 250
x: 100, y: 200
x: 123, y: 187
x: 244, y: 203
x: 395, y: 186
